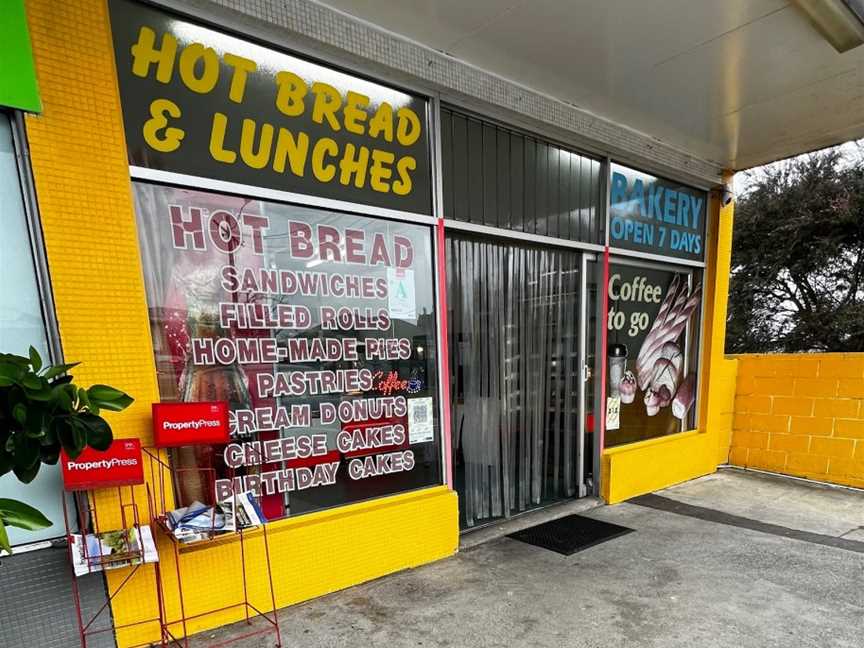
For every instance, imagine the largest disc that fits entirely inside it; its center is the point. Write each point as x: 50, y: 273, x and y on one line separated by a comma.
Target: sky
x: 852, y: 151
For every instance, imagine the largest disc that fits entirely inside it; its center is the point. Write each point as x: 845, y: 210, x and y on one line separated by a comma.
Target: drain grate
x: 570, y: 534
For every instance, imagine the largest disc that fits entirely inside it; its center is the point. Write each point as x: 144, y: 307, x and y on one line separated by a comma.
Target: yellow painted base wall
x: 639, y: 468
x: 646, y: 466
x: 83, y: 188
x: 802, y: 415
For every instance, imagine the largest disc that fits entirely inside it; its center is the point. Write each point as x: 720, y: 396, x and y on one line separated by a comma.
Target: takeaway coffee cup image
x: 617, y: 356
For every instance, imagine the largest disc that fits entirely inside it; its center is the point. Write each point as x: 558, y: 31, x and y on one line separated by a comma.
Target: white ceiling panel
x: 736, y: 82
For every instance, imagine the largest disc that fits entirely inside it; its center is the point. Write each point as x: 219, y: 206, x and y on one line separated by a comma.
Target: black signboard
x: 652, y: 342
x: 655, y: 215
x: 200, y: 102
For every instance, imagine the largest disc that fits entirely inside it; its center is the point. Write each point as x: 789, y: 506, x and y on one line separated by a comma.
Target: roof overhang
x: 735, y: 83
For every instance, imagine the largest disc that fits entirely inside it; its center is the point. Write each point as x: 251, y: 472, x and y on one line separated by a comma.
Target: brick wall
x: 801, y: 415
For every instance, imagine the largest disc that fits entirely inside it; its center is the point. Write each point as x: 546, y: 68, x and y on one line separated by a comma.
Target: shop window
x: 652, y: 351
x: 22, y: 324
x: 315, y: 326
x: 516, y: 375
x: 500, y: 177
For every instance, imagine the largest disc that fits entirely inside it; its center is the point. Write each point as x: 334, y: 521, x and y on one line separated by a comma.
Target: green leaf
x: 56, y: 370
x: 83, y: 398
x: 77, y: 438
x: 4, y: 538
x: 11, y: 358
x: 9, y: 371
x: 26, y: 474
x: 26, y: 450
x: 35, y: 359
x: 21, y: 515
x: 19, y: 413
x: 62, y: 398
x: 43, y: 395
x: 31, y: 381
x: 117, y: 405
x: 36, y: 424
x: 6, y: 462
x: 99, y: 434
x: 71, y: 391
x: 66, y: 436
x: 5, y: 381
x: 105, y: 392
x: 49, y: 454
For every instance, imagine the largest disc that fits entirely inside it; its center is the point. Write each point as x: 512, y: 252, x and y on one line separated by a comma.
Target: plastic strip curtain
x: 514, y: 356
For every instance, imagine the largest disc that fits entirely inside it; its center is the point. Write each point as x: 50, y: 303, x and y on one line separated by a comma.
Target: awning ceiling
x: 735, y: 82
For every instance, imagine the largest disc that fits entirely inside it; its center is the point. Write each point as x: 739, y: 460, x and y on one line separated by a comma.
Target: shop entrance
x: 516, y: 316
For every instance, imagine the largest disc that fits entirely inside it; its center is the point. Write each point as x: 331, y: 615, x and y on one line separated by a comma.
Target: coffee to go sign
x: 199, y: 102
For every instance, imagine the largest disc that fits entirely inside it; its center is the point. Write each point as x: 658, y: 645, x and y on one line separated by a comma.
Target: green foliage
x: 41, y: 412
x: 21, y: 515
x: 798, y: 258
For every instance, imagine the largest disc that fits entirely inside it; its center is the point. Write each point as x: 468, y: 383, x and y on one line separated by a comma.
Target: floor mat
x: 570, y: 534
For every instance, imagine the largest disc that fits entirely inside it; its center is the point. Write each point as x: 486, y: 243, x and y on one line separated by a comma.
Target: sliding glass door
x: 515, y: 317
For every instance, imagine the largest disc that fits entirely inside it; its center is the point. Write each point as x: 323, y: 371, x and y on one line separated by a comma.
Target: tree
x: 41, y: 413
x: 798, y: 257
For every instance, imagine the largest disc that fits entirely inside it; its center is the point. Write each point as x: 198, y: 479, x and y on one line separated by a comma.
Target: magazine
x: 198, y: 521
x: 93, y: 553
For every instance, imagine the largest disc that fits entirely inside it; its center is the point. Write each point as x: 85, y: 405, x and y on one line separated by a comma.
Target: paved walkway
x: 680, y: 581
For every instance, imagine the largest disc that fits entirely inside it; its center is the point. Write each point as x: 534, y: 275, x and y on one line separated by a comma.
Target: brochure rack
x: 160, y: 483
x: 131, y: 554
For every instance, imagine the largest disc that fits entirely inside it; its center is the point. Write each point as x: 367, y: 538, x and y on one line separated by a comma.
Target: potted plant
x: 41, y: 412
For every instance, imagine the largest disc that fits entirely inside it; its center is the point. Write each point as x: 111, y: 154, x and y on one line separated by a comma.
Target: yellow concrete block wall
x: 802, y: 415
x: 83, y: 188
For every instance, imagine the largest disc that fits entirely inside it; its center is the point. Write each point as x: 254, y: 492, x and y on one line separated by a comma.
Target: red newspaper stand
x: 178, y: 425
x: 93, y: 549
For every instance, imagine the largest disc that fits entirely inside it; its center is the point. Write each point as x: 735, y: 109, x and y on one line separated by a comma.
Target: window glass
x: 317, y: 327
x: 656, y: 216
x: 21, y: 322
x: 652, y: 351
x: 22, y: 325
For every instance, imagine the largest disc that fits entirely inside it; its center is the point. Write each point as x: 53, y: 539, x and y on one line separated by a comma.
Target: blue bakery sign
x: 655, y: 215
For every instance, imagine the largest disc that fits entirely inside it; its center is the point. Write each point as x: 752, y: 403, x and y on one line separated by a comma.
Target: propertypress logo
x: 102, y: 464
x: 191, y: 425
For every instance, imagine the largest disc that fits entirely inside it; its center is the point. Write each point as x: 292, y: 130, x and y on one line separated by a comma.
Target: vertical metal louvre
x: 499, y: 177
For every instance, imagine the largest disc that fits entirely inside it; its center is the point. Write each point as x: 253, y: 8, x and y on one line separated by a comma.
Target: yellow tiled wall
x: 84, y: 194
x: 801, y: 414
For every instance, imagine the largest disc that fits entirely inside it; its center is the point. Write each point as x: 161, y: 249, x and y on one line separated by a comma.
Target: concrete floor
x: 678, y: 581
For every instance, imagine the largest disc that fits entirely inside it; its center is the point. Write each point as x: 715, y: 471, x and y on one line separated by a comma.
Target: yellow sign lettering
x: 290, y: 93
x: 382, y: 122
x: 407, y: 127
x: 217, y: 140
x: 402, y: 186
x: 158, y: 135
x: 294, y: 149
x: 255, y: 159
x: 327, y: 102
x: 144, y: 54
x: 380, y: 171
x: 354, y: 112
x: 324, y: 146
x: 189, y: 60
x: 242, y: 67
x: 351, y: 166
